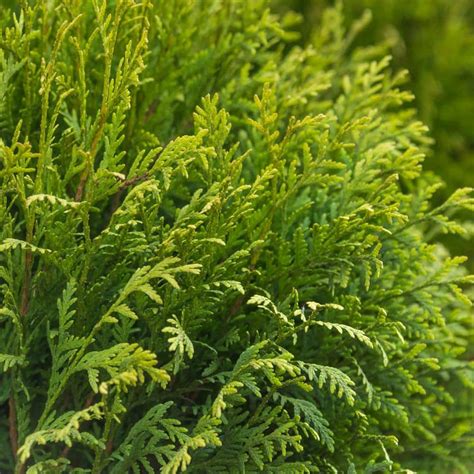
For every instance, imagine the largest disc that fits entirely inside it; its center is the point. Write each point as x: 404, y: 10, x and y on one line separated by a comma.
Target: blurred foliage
x: 434, y: 40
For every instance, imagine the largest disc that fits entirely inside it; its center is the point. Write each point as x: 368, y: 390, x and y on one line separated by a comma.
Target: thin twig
x: 12, y: 425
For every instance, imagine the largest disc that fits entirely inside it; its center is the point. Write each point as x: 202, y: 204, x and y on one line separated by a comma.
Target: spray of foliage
x: 213, y: 249
x: 434, y: 40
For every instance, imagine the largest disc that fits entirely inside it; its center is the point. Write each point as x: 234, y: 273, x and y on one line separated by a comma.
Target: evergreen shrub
x: 434, y: 40
x: 215, y: 249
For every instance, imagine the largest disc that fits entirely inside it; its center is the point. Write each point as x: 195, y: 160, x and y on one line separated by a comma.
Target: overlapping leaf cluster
x: 214, y: 252
x: 435, y: 42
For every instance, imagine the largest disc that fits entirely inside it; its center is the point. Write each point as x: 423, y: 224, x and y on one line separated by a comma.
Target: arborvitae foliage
x: 215, y: 248
x: 434, y: 40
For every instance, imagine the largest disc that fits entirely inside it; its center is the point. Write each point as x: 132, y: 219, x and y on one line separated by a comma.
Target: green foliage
x: 214, y: 249
x: 435, y: 41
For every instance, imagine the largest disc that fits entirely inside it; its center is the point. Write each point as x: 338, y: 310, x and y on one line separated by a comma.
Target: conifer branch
x: 205, y: 210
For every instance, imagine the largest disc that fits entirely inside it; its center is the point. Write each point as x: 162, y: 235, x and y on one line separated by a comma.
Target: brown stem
x: 118, y: 195
x: 132, y: 181
x: 82, y: 184
x: 12, y: 430
x: 13, y: 433
x: 87, y: 404
x: 109, y: 446
x: 151, y: 111
x: 93, y: 151
x: 236, y: 306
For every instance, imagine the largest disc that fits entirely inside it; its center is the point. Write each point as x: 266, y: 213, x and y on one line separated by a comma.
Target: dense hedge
x: 434, y: 40
x: 214, y: 249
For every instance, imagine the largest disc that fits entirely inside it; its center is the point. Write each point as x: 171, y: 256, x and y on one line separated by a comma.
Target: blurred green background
x: 434, y: 40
